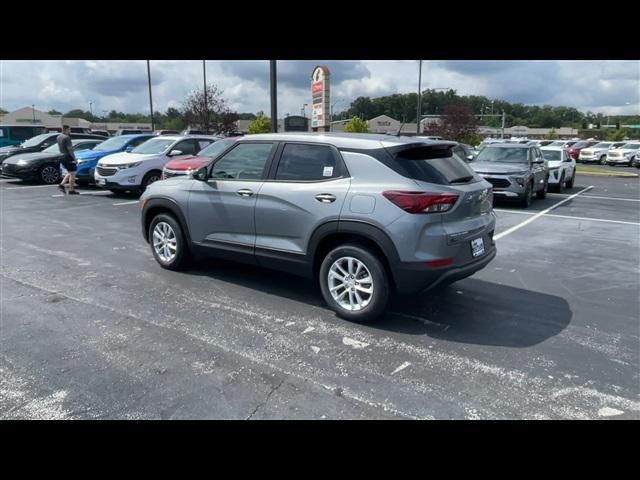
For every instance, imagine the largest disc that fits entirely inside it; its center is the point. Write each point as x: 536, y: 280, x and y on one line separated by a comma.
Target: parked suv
x: 598, y: 152
x: 364, y: 215
x: 185, y: 165
x: 136, y: 170
x: 516, y: 171
x: 562, y: 167
x: 625, y: 154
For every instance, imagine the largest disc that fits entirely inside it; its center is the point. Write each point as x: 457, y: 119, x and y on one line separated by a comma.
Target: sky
x: 608, y: 87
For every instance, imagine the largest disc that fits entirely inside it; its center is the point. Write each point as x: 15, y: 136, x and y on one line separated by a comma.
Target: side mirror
x: 174, y: 153
x: 469, y: 158
x: 129, y: 148
x: 200, y: 174
x: 538, y: 160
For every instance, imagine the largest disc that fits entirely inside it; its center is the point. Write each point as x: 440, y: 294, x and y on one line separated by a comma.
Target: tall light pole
x: 331, y: 114
x: 274, y: 95
x: 150, y: 97
x: 206, y: 110
x: 104, y: 112
x: 419, y: 112
x: 33, y: 110
x: 303, y: 111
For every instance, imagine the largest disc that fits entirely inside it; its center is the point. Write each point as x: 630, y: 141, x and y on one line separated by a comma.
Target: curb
x: 609, y: 174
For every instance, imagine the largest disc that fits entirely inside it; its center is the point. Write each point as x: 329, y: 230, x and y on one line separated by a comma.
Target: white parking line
x: 569, y: 217
x: 540, y: 214
x: 30, y: 186
x: 596, y: 196
x: 127, y: 203
x: 91, y: 194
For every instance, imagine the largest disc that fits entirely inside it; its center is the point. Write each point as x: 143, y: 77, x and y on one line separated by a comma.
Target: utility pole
x: 274, y: 96
x: 419, y: 98
x: 33, y: 110
x: 150, y: 97
x: 502, y: 137
x: 91, y: 110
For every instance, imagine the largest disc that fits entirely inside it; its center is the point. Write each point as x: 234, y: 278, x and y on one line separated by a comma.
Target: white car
x: 562, y: 168
x: 598, y: 152
x: 624, y: 154
x: 136, y: 170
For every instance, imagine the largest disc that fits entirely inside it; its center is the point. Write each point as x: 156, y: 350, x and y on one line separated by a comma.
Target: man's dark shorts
x: 68, y: 164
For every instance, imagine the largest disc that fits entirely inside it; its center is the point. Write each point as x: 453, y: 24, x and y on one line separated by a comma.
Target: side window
x: 85, y: 146
x: 187, y: 147
x: 2, y: 133
x: 307, y: 163
x: 245, y: 162
x: 202, y: 144
x: 137, y: 141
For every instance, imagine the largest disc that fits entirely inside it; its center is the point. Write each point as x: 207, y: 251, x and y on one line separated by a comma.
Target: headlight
x: 128, y: 165
x: 22, y: 162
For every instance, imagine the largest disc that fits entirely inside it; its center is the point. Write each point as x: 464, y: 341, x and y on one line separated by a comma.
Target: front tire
x: 541, y: 194
x: 572, y: 180
x: 167, y: 242
x: 525, y: 202
x: 354, y: 283
x: 149, y: 178
x: 603, y: 160
x: 49, y: 175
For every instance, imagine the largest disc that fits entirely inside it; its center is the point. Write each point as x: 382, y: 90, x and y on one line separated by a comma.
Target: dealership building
x: 32, y: 116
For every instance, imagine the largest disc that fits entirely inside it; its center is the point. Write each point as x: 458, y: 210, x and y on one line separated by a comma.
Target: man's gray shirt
x: 65, y: 146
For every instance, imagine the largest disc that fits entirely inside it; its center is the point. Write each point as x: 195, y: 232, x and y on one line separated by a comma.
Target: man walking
x: 68, y: 161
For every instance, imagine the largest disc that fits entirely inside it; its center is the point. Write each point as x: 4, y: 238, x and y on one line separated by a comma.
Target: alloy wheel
x: 164, y: 242
x: 350, y: 283
x: 49, y: 174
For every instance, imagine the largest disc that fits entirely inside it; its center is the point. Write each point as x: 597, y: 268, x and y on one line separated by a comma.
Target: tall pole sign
x: 320, y: 99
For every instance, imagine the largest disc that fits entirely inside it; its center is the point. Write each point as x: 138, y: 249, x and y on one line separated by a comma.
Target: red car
x: 187, y: 164
x: 574, y: 150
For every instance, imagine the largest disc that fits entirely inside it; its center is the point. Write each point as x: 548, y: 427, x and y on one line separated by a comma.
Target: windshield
x: 580, y: 144
x: 557, y: 143
x: 503, y: 155
x: 602, y: 145
x: 216, y: 148
x: 154, y: 146
x: 33, y: 141
x: 552, y: 155
x: 631, y: 146
x: 115, y: 143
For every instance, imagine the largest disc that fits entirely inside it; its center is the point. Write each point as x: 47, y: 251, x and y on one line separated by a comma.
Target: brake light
x: 421, y: 202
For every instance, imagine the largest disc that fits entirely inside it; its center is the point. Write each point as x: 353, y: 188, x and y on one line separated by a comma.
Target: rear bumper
x: 416, y: 277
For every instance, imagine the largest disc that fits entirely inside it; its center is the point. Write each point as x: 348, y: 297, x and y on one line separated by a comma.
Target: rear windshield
x: 552, y: 155
x: 503, y: 155
x: 580, y: 144
x: 419, y: 164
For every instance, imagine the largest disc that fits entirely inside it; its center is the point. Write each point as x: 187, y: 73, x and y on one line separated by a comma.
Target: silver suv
x: 364, y: 215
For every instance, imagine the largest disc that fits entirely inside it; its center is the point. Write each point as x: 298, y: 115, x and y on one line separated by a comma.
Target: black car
x: 39, y: 143
x: 45, y: 165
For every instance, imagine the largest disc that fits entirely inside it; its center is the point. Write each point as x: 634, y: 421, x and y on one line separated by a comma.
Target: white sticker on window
x: 327, y: 172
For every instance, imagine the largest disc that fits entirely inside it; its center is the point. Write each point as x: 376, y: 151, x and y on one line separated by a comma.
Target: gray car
x: 364, y: 215
x: 516, y: 171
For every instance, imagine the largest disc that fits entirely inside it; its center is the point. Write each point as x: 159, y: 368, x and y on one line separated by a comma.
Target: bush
x: 356, y: 125
x: 260, y: 125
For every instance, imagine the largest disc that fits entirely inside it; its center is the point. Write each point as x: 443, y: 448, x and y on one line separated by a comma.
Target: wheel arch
x: 156, y: 206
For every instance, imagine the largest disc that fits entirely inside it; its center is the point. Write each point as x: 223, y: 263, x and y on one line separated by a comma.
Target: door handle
x: 244, y: 192
x: 325, y: 198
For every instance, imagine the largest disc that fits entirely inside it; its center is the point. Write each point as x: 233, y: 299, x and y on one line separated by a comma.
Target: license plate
x: 477, y: 247
x: 102, y: 181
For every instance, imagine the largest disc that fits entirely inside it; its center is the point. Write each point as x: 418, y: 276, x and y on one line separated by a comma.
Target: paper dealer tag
x: 327, y: 172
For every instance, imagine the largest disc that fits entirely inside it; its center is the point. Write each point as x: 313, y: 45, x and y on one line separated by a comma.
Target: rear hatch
x: 435, y: 170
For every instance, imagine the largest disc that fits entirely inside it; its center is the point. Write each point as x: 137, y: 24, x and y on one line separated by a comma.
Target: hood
x: 93, y: 154
x: 624, y: 151
x: 498, y: 168
x: 125, y: 157
x: 187, y: 162
x: 31, y: 157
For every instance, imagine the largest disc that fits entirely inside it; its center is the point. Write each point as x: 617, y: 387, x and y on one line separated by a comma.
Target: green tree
x: 356, y: 125
x: 260, y: 125
x: 3, y: 111
x: 616, y: 135
x: 552, y: 134
x: 54, y: 112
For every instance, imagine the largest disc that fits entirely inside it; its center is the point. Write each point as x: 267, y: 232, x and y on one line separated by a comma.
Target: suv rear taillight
x: 422, y: 202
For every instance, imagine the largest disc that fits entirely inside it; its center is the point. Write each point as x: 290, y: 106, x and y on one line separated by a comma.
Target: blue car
x: 88, y: 159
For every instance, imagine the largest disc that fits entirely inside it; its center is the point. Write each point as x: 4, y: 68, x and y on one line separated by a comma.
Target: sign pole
x: 274, y: 96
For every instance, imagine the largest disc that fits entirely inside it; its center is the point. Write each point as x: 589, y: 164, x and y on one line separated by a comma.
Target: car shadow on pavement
x: 470, y: 311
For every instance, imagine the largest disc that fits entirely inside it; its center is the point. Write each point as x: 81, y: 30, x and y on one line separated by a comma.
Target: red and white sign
x: 320, y: 96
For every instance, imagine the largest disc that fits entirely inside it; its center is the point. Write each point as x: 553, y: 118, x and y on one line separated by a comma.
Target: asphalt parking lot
x: 91, y: 327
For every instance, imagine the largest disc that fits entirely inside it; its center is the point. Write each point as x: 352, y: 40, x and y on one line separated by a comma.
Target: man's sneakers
x: 61, y: 188
x: 74, y: 192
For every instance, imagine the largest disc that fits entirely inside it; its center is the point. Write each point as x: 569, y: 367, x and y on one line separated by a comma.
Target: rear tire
x: 168, y: 243
x: 356, y: 300
x: 603, y: 160
x: 49, y: 175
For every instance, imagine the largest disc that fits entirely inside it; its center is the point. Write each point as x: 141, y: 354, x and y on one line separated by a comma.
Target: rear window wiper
x: 462, y: 179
